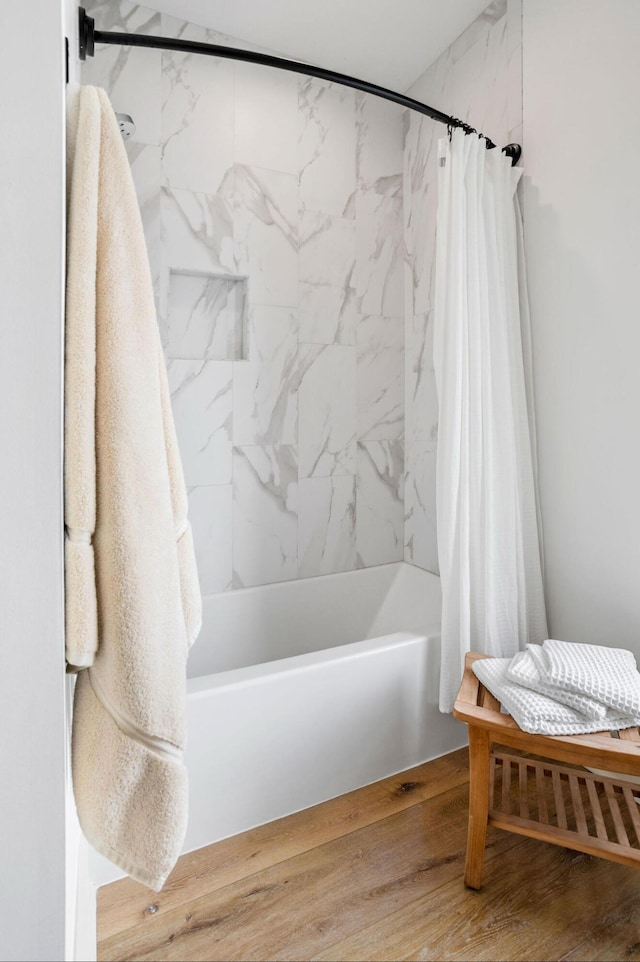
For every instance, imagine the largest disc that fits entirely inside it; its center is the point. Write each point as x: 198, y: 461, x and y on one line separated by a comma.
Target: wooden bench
x: 541, y: 789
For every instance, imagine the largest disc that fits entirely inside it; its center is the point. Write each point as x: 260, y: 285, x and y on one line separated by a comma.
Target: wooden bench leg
x: 479, y: 751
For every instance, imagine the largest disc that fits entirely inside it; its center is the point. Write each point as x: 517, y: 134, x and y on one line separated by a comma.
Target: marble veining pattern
x: 201, y: 397
x: 205, y: 317
x: 327, y: 529
x: 328, y: 308
x: 266, y: 102
x: 327, y: 249
x: 328, y: 315
x: 265, y: 409
x: 380, y: 378
x: 420, y: 529
x: 265, y: 514
x: 421, y: 414
x: 266, y: 234
x: 423, y: 239
x: 380, y: 502
x: 197, y: 231
x: 327, y: 410
x: 197, y: 118
x: 379, y: 272
x: 197, y: 111
x: 379, y: 155
x: 326, y: 147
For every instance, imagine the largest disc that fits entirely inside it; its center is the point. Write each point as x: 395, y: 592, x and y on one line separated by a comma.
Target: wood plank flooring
x: 377, y: 875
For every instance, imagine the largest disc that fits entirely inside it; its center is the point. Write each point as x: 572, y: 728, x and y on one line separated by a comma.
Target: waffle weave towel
x: 528, y: 667
x: 609, y: 675
x: 538, y: 714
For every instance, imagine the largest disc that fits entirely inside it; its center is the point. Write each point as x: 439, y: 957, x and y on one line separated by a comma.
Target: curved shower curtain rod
x: 89, y: 36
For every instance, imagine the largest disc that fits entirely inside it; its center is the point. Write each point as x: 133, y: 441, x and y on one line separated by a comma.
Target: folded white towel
x: 538, y: 714
x: 527, y: 668
x: 609, y: 675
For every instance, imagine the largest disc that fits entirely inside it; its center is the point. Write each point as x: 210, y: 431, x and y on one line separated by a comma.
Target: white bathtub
x: 304, y: 690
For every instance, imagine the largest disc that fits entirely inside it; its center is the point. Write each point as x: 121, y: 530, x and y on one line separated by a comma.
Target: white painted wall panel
x: 32, y: 686
x: 582, y: 221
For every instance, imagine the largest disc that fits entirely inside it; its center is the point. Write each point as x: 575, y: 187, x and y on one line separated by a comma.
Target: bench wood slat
x: 504, y: 747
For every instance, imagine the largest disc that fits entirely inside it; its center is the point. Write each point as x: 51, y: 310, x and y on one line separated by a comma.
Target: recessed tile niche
x: 205, y: 316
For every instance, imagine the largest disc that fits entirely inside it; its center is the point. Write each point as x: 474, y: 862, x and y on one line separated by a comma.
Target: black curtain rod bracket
x: 89, y: 37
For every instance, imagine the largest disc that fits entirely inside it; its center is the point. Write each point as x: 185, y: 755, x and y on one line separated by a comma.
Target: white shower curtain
x: 488, y: 543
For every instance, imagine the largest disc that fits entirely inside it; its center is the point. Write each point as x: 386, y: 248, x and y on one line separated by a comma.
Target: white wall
x: 582, y: 221
x: 32, y: 689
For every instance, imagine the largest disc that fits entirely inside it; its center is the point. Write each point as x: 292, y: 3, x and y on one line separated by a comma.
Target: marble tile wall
x: 478, y: 79
x: 274, y: 216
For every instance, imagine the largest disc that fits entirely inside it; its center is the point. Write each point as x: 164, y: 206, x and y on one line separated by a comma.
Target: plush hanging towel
x: 132, y: 598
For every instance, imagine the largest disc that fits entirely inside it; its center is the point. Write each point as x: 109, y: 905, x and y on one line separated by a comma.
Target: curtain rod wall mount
x: 89, y: 37
x: 86, y: 34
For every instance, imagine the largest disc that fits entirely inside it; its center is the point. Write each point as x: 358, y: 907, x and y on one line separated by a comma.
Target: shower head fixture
x: 126, y: 125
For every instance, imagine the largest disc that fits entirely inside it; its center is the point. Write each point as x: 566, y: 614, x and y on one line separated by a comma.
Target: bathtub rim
x: 266, y: 623
x: 386, y: 567
x: 201, y: 685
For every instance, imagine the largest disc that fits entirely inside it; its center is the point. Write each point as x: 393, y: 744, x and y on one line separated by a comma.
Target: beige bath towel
x: 133, y: 603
